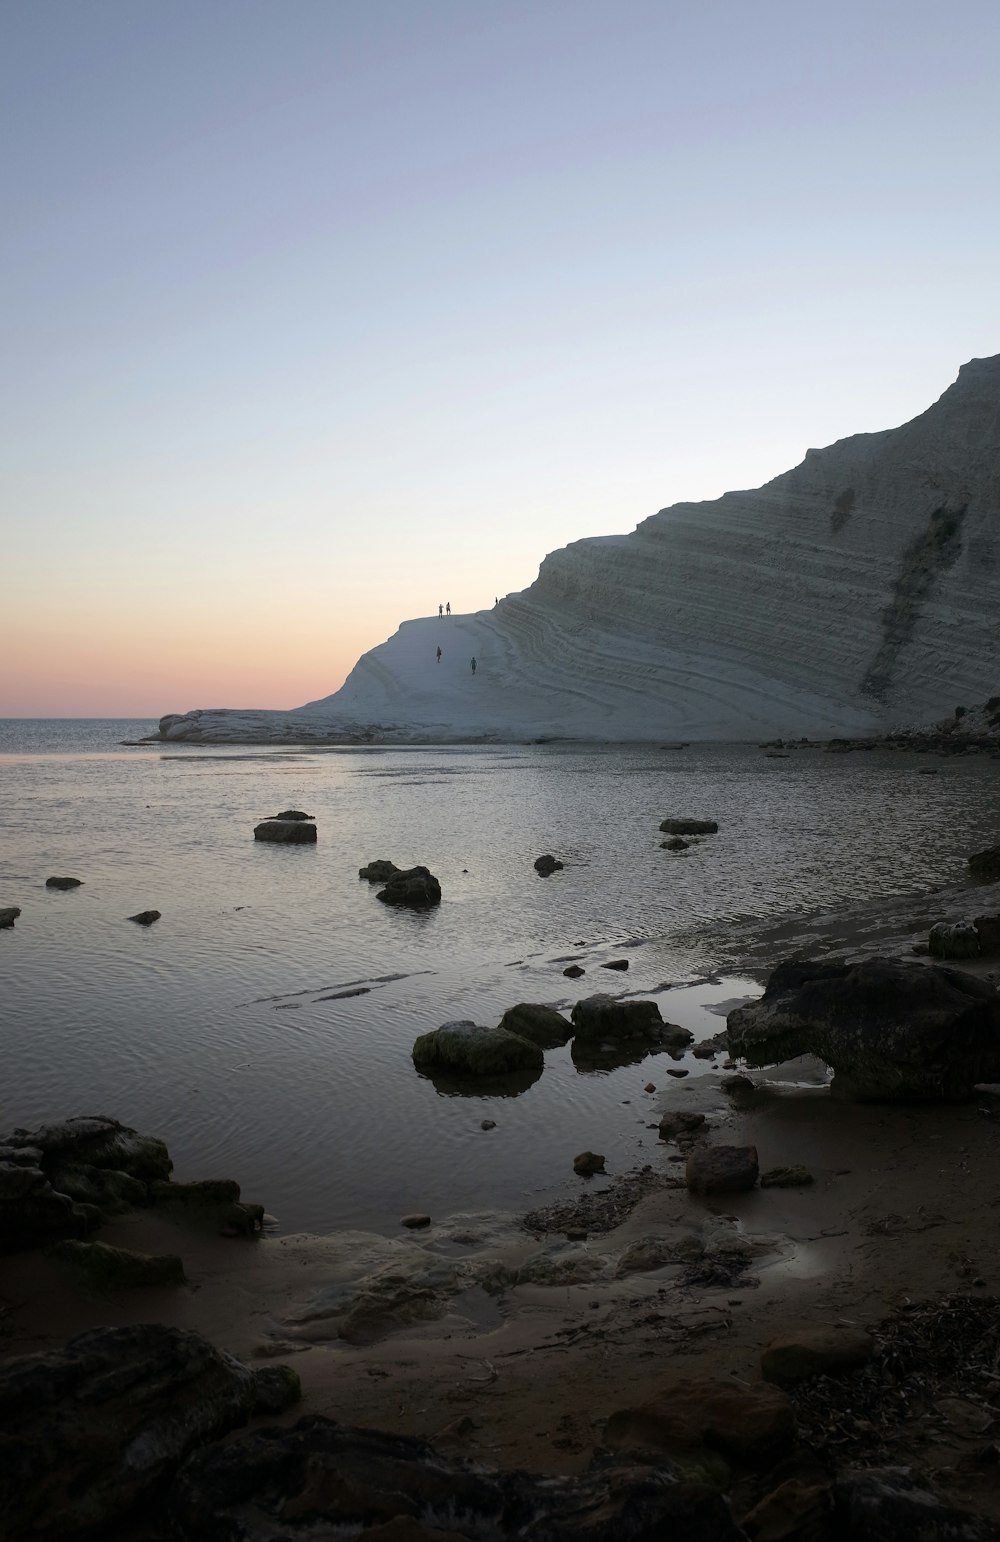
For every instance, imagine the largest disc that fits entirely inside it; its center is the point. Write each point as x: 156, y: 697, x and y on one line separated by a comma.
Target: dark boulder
x: 721, y: 1169
x: 294, y: 813
x: 32, y: 1212
x: 379, y: 871
x: 985, y: 865
x: 606, y: 1018
x: 92, y: 1432
x: 689, y: 827
x: 544, y: 1026
x: 145, y: 917
x: 574, y: 972
x: 804, y: 1353
x: 958, y: 939
x: 675, y: 843
x: 63, y: 883
x: 890, y: 1029
x: 749, y: 1423
x: 277, y: 1387
x: 416, y: 888
x: 98, y: 1266
x: 469, y: 1050
x: 334, y: 1480
x: 8, y: 915
x: 209, y: 1204
x: 290, y: 832
x: 546, y: 865
x: 616, y: 963
x: 96, y: 1141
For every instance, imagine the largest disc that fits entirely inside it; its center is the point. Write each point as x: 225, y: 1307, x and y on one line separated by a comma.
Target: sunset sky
x: 317, y: 314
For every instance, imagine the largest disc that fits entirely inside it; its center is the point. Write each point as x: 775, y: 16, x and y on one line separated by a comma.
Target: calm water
x: 222, y: 1027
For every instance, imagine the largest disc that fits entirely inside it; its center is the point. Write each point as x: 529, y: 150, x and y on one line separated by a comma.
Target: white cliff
x: 859, y: 590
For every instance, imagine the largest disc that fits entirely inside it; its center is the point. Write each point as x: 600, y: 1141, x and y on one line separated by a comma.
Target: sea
x: 263, y: 1026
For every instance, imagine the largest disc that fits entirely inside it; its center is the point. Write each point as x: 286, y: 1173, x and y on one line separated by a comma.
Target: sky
x: 315, y: 315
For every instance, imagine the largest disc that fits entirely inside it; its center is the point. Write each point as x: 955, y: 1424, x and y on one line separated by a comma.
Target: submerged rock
x: 416, y: 887
x: 890, y: 1030
x: 466, y: 1048
x: 586, y: 1163
x: 689, y: 827
x: 544, y: 1026
x: 675, y: 843
x: 546, y: 865
x: 9, y: 914
x: 337, y: 1480
x: 63, y: 883
x: 574, y: 972
x: 93, y: 1431
x: 145, y: 917
x: 292, y: 832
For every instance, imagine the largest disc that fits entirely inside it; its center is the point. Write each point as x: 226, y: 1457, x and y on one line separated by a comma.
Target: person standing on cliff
x: 473, y: 664
x: 439, y: 655
x: 448, y: 608
x: 440, y: 610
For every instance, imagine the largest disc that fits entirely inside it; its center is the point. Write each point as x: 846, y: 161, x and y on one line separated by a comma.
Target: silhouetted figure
x: 440, y: 610
x: 439, y: 655
x: 473, y: 666
x: 496, y: 602
x: 448, y: 608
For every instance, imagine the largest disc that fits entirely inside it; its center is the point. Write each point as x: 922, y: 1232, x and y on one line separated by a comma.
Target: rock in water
x: 145, y: 917
x: 8, y: 915
x: 689, y: 827
x: 546, y: 865
x: 342, y: 1481
x: 467, y: 1049
x: 294, y: 813
x: 574, y: 972
x: 93, y: 1431
x: 379, y: 871
x: 675, y: 843
x: 721, y: 1169
x: 985, y: 865
x: 890, y: 1030
x: 63, y: 883
x: 416, y: 888
x: 587, y: 1163
x: 544, y: 1026
x: 290, y: 832
x: 600, y: 1018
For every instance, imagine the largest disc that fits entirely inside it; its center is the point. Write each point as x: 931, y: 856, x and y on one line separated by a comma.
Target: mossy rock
x: 544, y: 1026
x: 465, y: 1048
x: 99, y: 1266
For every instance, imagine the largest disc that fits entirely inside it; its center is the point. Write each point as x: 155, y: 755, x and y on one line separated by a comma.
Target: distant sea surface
x: 263, y: 1026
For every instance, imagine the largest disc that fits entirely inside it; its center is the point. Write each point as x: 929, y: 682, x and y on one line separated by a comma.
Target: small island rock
x: 466, y: 1048
x: 294, y: 813
x: 289, y: 832
x: 546, y: 865
x: 599, y: 1018
x: 63, y: 883
x: 145, y: 917
x: 689, y: 827
x: 379, y: 871
x: 9, y: 914
x: 416, y: 888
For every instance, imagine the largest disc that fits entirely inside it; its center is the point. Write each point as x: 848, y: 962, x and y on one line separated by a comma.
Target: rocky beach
x: 802, y: 1344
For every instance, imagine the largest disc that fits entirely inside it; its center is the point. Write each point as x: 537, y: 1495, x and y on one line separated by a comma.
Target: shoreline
x: 514, y: 1347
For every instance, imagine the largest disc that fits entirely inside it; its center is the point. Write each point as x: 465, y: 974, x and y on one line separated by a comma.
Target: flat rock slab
x: 804, y: 1353
x: 289, y: 832
x: 98, y: 1266
x: 754, y: 1424
x: 466, y: 1048
x: 63, y: 883
x: 721, y: 1169
x: 891, y: 1030
x: 689, y: 827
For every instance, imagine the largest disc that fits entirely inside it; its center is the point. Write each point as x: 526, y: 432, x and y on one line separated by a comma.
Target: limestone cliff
x: 858, y: 590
